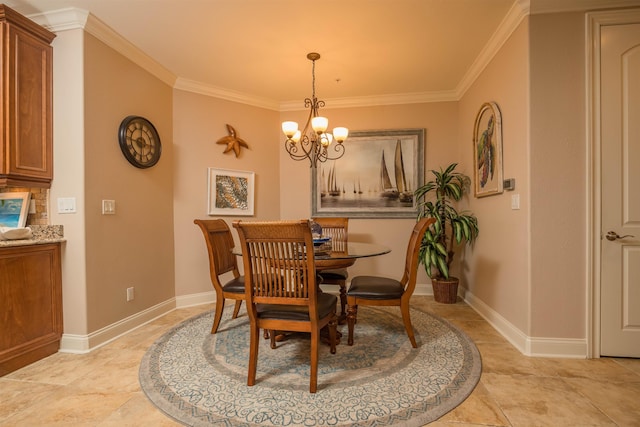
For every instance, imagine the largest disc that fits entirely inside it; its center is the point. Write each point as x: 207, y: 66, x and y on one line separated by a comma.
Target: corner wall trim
x: 72, y: 343
x: 574, y: 348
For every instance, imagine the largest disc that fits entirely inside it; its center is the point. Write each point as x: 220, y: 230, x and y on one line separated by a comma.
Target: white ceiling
x: 258, y: 48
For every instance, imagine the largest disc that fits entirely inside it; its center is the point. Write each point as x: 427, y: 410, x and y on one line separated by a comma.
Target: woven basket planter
x: 445, y: 291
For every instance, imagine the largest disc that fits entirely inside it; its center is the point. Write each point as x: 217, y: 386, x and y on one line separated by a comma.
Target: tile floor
x: 101, y: 388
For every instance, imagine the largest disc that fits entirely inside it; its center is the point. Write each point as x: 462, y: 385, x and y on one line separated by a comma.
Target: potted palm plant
x: 435, y: 200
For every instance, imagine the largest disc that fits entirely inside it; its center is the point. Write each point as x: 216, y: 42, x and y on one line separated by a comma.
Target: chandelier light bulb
x: 296, y: 136
x: 319, y: 124
x: 325, y: 139
x: 289, y: 128
x: 340, y: 134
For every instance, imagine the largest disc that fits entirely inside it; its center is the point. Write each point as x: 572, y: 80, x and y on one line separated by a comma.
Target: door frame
x: 594, y: 22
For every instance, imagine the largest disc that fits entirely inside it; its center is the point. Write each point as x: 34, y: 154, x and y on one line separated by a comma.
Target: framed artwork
x: 375, y: 178
x: 14, y: 208
x: 487, y: 151
x: 230, y: 192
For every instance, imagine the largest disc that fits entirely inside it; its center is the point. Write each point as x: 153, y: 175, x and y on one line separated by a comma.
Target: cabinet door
x: 30, y: 304
x: 27, y: 85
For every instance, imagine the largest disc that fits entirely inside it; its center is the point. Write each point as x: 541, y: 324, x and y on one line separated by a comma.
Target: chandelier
x: 314, y: 142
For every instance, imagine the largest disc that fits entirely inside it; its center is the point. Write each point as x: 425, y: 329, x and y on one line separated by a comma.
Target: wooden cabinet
x: 30, y: 304
x: 26, y: 149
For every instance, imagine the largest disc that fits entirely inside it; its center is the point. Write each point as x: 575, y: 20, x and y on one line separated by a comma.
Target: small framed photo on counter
x: 14, y: 208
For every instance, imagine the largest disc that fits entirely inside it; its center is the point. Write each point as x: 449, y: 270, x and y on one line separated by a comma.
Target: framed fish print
x: 231, y: 192
x: 487, y: 151
x: 375, y: 178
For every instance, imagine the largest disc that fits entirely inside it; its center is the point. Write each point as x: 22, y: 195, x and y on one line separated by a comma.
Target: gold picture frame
x: 375, y: 178
x: 487, y: 151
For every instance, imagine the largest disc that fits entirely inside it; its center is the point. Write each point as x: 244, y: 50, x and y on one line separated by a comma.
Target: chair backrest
x: 413, y: 248
x: 279, y: 263
x: 219, y: 239
x: 336, y: 228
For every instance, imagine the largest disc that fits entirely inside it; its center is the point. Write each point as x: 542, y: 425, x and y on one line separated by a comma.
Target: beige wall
x: 558, y: 176
x: 134, y: 247
x: 440, y: 121
x: 497, y: 269
x: 199, y: 121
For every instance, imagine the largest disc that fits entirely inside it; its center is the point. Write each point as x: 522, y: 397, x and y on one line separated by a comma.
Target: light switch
x: 515, y: 202
x: 66, y: 205
x: 108, y: 207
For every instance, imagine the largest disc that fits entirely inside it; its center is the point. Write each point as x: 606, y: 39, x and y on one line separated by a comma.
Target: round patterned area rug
x: 200, y: 379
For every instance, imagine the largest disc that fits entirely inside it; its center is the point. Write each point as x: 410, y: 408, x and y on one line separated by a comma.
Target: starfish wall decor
x: 232, y: 141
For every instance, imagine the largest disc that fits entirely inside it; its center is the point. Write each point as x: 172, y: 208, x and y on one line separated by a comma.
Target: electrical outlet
x: 130, y: 294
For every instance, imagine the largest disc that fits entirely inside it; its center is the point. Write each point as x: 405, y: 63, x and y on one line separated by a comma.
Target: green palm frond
x: 435, y: 200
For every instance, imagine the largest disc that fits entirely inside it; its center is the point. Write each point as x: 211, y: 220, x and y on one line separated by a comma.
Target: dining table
x: 345, y: 254
x: 332, y: 255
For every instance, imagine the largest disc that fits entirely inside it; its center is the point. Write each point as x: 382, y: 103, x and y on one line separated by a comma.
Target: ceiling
x: 258, y: 48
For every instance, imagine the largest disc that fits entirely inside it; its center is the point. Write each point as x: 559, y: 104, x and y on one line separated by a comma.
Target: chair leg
x: 272, y: 335
x: 406, y: 319
x: 333, y: 334
x: 236, y: 309
x: 313, y: 376
x: 254, y: 334
x: 218, y: 314
x: 352, y: 315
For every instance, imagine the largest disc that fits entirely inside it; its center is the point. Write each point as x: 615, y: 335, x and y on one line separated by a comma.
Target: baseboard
x: 575, y: 348
x: 191, y: 300
x: 529, y: 346
x: 71, y: 343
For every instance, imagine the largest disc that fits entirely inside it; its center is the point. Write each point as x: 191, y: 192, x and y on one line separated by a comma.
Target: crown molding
x: 519, y: 10
x: 555, y: 6
x: 229, y: 95
x: 374, y: 100
x: 74, y: 18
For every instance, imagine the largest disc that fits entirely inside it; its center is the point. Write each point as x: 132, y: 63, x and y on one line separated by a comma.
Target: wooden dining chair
x: 338, y: 229
x: 219, y: 240
x: 281, y: 289
x: 383, y: 291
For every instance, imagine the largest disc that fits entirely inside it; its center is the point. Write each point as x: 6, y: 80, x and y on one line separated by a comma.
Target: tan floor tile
x: 138, y: 411
x: 60, y: 368
x: 603, y: 369
x: 632, y: 364
x: 70, y: 407
x: 503, y: 358
x: 16, y: 396
x: 478, y: 408
x: 542, y: 401
x: 620, y: 401
x: 119, y: 375
x: 479, y: 331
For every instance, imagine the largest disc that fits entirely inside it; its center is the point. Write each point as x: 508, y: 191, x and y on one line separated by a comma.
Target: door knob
x: 612, y: 235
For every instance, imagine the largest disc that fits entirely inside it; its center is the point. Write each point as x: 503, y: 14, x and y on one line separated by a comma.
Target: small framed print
x: 231, y: 192
x: 487, y: 151
x: 14, y: 208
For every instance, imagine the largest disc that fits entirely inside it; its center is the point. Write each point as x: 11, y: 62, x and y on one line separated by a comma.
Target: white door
x: 620, y: 177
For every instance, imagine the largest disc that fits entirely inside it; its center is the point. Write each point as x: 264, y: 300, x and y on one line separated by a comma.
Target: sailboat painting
x: 375, y: 178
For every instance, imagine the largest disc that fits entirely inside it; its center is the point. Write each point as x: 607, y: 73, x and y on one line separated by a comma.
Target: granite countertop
x: 41, y: 234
